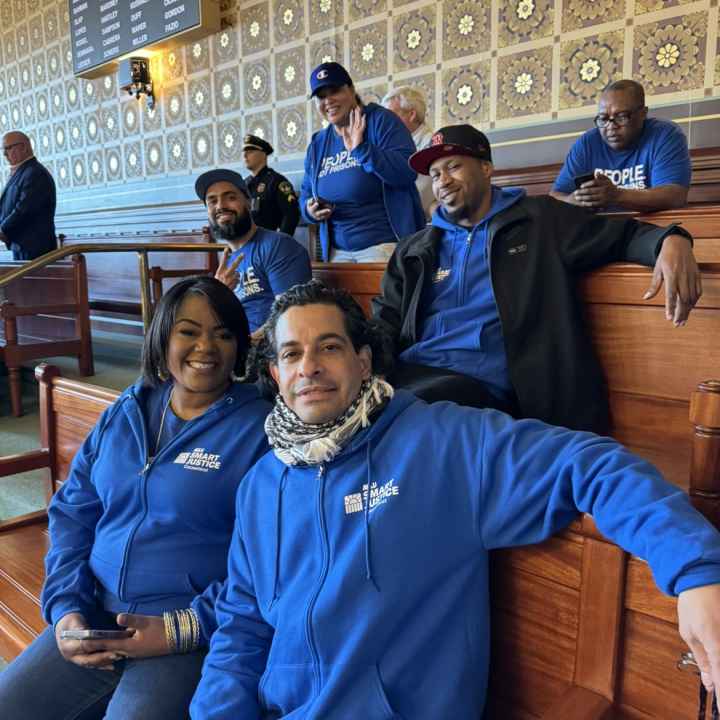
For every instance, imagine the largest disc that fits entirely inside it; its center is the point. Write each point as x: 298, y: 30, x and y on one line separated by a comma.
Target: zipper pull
x: 468, y: 240
x: 321, y: 471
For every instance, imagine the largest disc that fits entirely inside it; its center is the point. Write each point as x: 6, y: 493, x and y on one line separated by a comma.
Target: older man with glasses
x: 27, y: 203
x: 628, y: 161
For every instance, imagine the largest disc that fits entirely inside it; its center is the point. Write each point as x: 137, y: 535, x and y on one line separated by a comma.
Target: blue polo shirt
x: 359, y: 219
x: 459, y: 324
x: 659, y: 157
x: 272, y: 263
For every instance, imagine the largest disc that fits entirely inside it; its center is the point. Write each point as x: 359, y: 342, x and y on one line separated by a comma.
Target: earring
x: 162, y: 375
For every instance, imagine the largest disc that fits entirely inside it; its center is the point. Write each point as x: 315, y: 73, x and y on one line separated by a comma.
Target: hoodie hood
x: 502, y: 199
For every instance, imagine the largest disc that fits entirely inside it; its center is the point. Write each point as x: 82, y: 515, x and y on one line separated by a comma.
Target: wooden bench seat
x: 44, y: 314
x: 579, y: 630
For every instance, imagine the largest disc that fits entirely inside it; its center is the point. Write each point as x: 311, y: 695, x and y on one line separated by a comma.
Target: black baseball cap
x: 329, y: 74
x: 257, y: 143
x: 221, y: 174
x: 451, y: 140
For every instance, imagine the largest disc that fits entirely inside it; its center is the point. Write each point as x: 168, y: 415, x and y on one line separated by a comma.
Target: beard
x: 234, y: 230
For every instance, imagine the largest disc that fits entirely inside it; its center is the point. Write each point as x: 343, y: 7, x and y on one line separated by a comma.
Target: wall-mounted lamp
x: 134, y: 76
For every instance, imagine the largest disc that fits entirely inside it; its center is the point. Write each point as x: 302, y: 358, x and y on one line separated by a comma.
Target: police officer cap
x: 220, y: 175
x: 329, y: 74
x: 255, y: 143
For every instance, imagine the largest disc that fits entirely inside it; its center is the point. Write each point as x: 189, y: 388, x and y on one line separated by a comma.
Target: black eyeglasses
x: 620, y: 119
x: 688, y: 663
x: 12, y: 145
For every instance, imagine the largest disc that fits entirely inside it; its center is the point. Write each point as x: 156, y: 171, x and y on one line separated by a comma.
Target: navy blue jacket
x: 27, y: 211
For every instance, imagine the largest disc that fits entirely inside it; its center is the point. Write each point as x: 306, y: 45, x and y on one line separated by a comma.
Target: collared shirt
x: 273, y: 202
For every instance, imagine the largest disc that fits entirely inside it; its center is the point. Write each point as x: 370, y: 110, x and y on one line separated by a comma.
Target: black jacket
x: 27, y: 211
x: 538, y: 248
x: 274, y: 202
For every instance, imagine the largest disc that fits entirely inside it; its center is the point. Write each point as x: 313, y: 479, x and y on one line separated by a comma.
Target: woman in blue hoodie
x: 139, y: 532
x: 358, y: 185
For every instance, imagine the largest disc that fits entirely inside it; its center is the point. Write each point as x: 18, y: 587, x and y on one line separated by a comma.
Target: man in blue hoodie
x: 358, y: 186
x: 481, y: 304
x: 358, y: 569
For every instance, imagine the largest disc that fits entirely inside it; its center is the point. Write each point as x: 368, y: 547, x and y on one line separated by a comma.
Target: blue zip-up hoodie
x: 385, y: 151
x: 130, y: 537
x: 337, y: 608
x: 461, y: 327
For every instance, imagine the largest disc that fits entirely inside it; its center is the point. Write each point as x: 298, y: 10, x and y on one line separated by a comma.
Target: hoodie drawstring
x: 368, y: 560
x: 278, y: 538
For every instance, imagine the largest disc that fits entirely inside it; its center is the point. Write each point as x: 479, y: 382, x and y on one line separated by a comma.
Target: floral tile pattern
x: 585, y: 13
x: 227, y: 90
x: 524, y: 83
x: 200, y: 98
x: 255, y: 28
x: 465, y: 28
x: 523, y: 20
x: 113, y: 164
x: 466, y: 94
x: 290, y: 73
x: 258, y: 88
x: 292, y: 129
x: 197, y: 56
x: 260, y: 124
x: 669, y: 55
x: 504, y: 63
x: 587, y: 66
x: 361, y: 9
x: 289, y: 21
x: 645, y: 6
x: 368, y: 51
x: 326, y: 50
x: 325, y: 14
x: 414, y: 38
x: 176, y: 150
x: 154, y: 156
x: 230, y: 141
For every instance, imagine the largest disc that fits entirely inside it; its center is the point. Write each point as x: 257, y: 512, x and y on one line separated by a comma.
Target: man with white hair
x: 409, y: 105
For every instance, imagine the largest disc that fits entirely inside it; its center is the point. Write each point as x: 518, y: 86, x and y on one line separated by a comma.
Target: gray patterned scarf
x: 295, y: 441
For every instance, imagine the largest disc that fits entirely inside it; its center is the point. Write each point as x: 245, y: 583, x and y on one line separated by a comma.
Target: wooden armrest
x: 26, y: 310
x: 580, y: 704
x: 22, y: 462
x: 33, y: 518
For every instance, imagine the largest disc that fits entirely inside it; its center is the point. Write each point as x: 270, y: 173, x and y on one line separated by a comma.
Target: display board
x: 103, y: 31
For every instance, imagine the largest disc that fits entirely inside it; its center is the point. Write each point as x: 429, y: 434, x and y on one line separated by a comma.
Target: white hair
x: 410, y: 99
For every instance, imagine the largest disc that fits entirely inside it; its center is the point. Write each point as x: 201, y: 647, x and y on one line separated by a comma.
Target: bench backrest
x: 579, y: 629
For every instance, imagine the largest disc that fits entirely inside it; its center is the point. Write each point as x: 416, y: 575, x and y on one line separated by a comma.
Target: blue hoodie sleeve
x: 73, y: 514
x: 228, y: 688
x: 306, y: 189
x: 536, y: 477
x: 386, y: 149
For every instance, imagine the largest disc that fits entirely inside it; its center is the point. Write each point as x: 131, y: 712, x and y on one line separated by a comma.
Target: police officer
x: 273, y: 201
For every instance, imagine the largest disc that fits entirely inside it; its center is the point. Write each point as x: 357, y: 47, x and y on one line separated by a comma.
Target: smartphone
x: 95, y: 634
x: 324, y: 204
x: 580, y: 179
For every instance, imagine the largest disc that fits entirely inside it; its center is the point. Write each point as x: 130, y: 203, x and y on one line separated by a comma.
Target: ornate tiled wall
x: 496, y: 63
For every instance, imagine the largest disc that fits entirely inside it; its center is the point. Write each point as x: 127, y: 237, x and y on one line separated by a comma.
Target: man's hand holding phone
x: 319, y: 209
x: 595, y: 190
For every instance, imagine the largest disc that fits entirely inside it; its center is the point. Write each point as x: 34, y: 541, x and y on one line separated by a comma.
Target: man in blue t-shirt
x: 261, y: 264
x: 627, y: 162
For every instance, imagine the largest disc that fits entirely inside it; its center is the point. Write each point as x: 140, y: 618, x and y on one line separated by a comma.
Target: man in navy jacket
x: 27, y: 204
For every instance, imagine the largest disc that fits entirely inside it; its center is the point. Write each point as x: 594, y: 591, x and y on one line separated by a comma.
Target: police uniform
x: 274, y: 204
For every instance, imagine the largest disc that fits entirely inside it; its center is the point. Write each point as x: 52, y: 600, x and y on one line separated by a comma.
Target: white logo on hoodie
x: 198, y: 459
x: 379, y: 495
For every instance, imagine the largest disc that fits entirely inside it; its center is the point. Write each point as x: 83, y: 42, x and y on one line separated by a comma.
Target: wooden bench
x: 579, y: 630
x: 58, y: 324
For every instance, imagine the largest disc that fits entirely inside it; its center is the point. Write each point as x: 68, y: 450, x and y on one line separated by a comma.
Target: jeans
x: 41, y: 685
x: 375, y: 253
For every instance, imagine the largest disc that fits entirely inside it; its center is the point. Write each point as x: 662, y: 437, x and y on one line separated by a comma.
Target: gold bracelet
x: 170, y: 636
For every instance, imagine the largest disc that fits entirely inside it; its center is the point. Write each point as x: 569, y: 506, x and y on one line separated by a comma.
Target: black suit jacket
x: 27, y: 211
